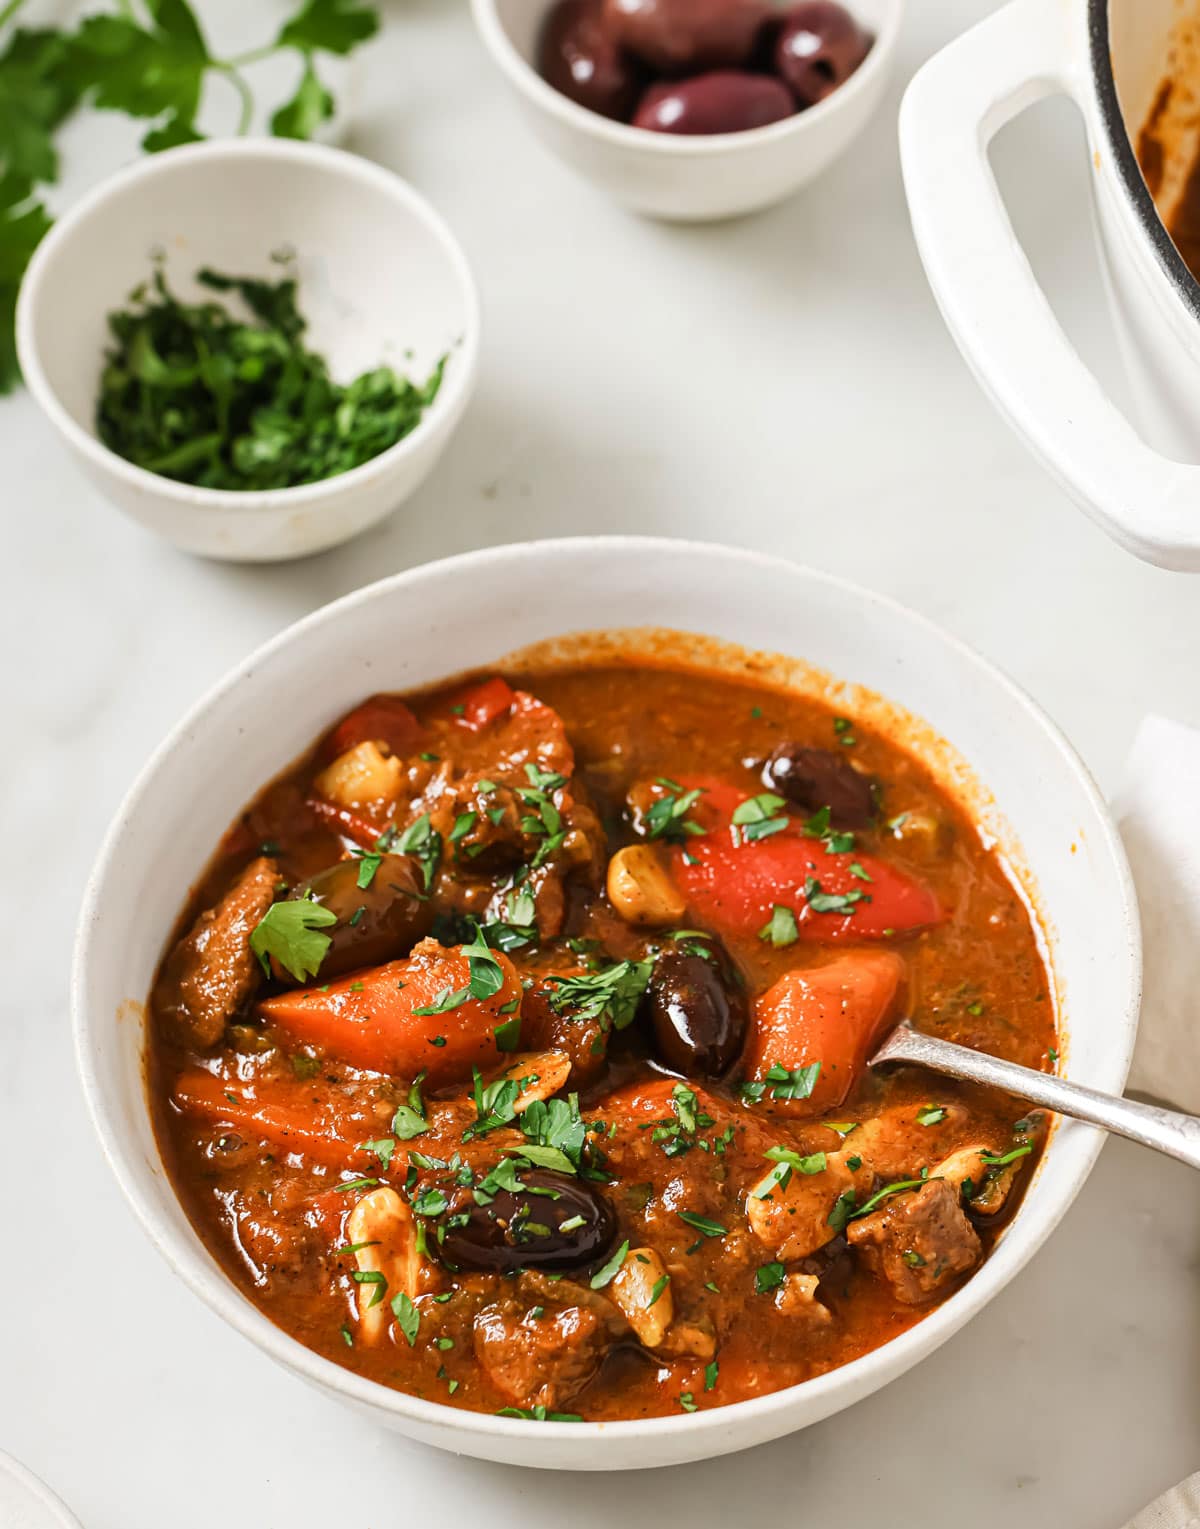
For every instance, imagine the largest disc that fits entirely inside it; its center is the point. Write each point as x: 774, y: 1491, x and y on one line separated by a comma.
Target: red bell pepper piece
x: 382, y: 719
x: 355, y: 826
x: 831, y: 1015
x: 370, y: 1019
x: 483, y: 703
x: 733, y: 883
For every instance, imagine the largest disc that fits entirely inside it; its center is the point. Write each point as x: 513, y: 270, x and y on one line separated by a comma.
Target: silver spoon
x: 1165, y: 1130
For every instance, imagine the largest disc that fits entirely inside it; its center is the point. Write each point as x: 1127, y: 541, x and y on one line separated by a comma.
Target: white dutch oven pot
x: 1110, y: 57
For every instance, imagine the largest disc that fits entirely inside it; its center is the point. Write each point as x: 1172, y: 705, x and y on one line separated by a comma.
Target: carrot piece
x: 829, y: 1015
x: 292, y: 1117
x: 370, y: 1019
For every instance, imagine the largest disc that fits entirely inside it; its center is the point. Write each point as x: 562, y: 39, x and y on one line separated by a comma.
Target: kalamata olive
x: 554, y: 1222
x: 377, y: 922
x: 578, y: 57
x: 816, y: 778
x: 682, y: 36
x: 697, y: 1011
x: 725, y: 101
x: 820, y: 46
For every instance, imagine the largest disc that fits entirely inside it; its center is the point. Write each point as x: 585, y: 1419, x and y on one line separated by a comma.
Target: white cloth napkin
x: 1177, y: 1509
x: 1158, y: 809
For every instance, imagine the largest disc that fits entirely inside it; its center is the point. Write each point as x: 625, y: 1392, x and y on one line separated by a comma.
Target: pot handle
x: 991, y: 300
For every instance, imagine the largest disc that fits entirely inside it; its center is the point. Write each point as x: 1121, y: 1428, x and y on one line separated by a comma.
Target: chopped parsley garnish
x: 508, y: 1035
x: 711, y: 1371
x: 409, y: 1120
x: 678, y: 1135
x: 887, y: 1192
x: 781, y: 929
x: 819, y: 826
x: 703, y: 1224
x: 371, y: 1277
x: 609, y: 1270
x: 352, y: 1184
x: 495, y: 1103
x: 556, y: 1124
x: 758, y: 817
x: 290, y: 931
x: 843, y: 1209
x: 382, y: 1149
x: 539, y: 1414
x: 667, y: 816
x: 768, y: 1277
x: 368, y: 864
x: 931, y: 1115
x: 992, y: 1160
x: 408, y: 1318
x: 842, y: 726
x: 786, y: 1161
x: 463, y: 824
x: 657, y: 1289
x: 610, y: 996
x: 780, y: 1082
x: 831, y: 902
x: 423, y: 841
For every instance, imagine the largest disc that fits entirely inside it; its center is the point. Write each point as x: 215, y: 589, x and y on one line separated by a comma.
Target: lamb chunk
x: 212, y: 971
x: 919, y: 1243
x: 540, y: 1361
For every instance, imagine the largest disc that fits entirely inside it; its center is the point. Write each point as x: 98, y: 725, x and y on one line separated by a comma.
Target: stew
x: 511, y: 1050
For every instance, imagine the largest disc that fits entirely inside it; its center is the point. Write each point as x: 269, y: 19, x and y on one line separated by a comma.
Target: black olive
x: 379, y: 922
x: 816, y: 778
x: 555, y: 1222
x: 697, y: 1011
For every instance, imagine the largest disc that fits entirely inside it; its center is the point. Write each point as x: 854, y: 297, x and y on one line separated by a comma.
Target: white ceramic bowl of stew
x: 689, y: 179
x: 982, y: 738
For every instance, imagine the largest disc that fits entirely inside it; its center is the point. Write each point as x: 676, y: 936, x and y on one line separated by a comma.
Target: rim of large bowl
x: 526, y: 79
x: 456, y: 385
x: 197, y: 1269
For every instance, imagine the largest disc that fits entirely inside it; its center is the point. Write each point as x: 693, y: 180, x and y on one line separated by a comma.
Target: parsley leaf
x: 783, y: 1083
x: 409, y: 1121
x: 408, y: 1318
x: 759, y: 816
x: 610, y: 996
x: 289, y: 931
x: 609, y: 1270
x: 781, y: 929
x: 666, y: 818
x: 330, y: 26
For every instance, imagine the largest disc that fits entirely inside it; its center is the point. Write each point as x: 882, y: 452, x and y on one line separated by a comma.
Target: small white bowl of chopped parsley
x: 256, y: 348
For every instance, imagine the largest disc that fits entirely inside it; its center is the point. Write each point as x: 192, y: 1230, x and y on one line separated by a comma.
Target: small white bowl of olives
x: 694, y: 110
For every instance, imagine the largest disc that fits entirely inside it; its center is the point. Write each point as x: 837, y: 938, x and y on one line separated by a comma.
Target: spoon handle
x: 1164, y: 1130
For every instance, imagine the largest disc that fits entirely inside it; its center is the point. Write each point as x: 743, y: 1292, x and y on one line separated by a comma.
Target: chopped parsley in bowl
x: 194, y: 392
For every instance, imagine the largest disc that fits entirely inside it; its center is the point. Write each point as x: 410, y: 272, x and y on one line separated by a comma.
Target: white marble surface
x: 783, y: 383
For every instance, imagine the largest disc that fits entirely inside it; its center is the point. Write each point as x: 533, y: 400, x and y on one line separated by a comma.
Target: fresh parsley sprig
x: 152, y: 62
